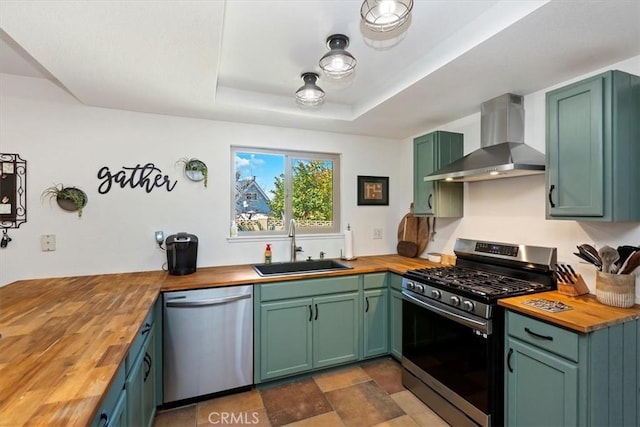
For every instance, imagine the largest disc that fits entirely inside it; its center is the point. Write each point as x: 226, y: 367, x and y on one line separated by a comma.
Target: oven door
x: 454, y: 354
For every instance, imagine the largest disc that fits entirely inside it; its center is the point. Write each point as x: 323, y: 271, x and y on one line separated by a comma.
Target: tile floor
x: 370, y: 394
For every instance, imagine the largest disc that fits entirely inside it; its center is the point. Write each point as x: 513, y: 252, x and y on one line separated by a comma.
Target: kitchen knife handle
x: 509, y: 360
x: 553, y: 205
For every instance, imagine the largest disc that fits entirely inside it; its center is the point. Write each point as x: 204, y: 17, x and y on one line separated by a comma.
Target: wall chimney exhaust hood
x: 502, y: 151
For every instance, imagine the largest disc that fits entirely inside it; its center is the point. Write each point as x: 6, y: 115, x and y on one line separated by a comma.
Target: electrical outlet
x: 48, y: 242
x: 377, y: 233
x: 159, y: 235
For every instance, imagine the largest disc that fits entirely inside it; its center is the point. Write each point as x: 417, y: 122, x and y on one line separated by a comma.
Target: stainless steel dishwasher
x: 208, y: 341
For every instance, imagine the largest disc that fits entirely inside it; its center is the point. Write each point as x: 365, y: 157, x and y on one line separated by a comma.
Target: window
x: 271, y: 187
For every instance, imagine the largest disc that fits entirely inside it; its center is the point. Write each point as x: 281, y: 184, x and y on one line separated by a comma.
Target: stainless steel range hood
x: 502, y: 151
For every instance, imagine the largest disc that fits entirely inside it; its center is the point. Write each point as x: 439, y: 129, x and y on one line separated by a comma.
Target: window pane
x: 259, y: 195
x: 312, y: 188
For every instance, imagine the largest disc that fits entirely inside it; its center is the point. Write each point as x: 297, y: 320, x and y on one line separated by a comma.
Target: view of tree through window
x: 271, y: 188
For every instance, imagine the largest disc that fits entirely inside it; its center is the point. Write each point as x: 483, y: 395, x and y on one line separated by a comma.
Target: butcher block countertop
x: 242, y: 274
x: 63, y: 339
x: 587, y: 313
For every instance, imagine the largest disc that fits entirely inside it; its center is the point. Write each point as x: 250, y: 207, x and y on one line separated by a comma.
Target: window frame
x: 289, y: 156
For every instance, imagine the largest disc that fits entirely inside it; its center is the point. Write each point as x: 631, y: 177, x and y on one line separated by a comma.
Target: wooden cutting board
x: 417, y: 230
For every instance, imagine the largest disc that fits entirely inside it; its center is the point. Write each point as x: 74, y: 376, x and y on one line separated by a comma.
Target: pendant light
x: 385, y: 15
x: 309, y: 94
x: 338, y: 63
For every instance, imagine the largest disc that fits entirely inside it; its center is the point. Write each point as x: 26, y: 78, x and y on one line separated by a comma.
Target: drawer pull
x: 145, y: 330
x: 542, y: 337
x: 509, y: 360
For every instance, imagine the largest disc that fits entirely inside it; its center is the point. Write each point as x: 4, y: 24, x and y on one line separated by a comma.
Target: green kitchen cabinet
x: 430, y: 153
x: 593, y: 149
x: 286, y: 331
x: 395, y: 315
x: 375, y: 315
x: 335, y: 329
x: 140, y: 385
x: 556, y: 376
x: 113, y: 410
x: 303, y: 325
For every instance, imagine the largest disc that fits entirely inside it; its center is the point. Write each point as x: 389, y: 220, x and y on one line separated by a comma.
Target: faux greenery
x: 195, y: 165
x: 61, y: 193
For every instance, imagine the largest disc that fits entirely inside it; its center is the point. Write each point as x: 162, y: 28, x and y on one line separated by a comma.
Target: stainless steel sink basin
x: 300, y: 267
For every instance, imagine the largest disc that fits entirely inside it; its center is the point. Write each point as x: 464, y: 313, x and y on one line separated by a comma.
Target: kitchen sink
x: 300, y: 267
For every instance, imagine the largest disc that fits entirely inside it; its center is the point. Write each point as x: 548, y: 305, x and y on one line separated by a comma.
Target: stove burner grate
x: 475, y: 281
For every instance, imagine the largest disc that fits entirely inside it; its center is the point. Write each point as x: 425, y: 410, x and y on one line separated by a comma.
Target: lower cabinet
x: 375, y: 313
x: 140, y: 386
x: 305, y: 325
x: 131, y: 400
x: 555, y: 376
x: 395, y: 315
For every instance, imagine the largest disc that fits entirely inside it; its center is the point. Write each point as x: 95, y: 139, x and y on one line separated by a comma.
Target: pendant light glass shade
x: 309, y: 94
x: 385, y: 15
x: 338, y: 63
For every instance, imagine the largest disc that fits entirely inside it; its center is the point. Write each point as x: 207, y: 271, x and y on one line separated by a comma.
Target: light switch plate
x: 48, y: 242
x: 377, y: 233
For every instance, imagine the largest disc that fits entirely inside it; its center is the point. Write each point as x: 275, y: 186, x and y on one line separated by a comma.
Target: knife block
x: 573, y: 289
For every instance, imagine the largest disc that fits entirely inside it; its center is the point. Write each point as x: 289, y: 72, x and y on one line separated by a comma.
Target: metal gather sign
x: 146, y: 177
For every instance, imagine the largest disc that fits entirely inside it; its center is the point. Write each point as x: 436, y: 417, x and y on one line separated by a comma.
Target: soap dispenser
x: 267, y: 254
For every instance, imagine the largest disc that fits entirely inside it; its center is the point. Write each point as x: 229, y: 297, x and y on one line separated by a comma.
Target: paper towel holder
x: 342, y: 255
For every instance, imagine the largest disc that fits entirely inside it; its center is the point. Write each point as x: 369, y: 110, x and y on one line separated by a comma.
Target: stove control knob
x: 435, y: 294
x: 420, y: 288
x: 468, y: 305
x: 455, y: 300
x: 411, y: 285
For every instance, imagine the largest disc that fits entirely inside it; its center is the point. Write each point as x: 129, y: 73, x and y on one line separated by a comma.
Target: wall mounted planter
x: 71, y: 199
x: 195, y: 170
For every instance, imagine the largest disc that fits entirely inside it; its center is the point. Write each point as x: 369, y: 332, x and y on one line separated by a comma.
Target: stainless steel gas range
x: 453, y: 328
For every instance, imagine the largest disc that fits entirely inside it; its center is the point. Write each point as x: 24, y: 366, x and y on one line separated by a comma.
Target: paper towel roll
x: 348, y: 243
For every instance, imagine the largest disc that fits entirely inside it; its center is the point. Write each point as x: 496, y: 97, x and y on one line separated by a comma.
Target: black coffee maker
x: 182, y: 252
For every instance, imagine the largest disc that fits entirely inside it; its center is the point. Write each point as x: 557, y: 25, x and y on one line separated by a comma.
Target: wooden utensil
x: 407, y: 247
x: 608, y: 255
x: 631, y: 264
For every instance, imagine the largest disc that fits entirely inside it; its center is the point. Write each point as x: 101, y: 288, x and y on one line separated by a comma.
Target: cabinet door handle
x: 104, y: 417
x: 147, y: 359
x: 316, y: 312
x: 429, y: 201
x: 551, y: 188
x: 509, y: 360
x: 542, y: 337
x: 366, y: 310
x: 310, y: 313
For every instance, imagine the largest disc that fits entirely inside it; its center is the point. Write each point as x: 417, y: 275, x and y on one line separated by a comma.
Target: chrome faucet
x: 292, y: 233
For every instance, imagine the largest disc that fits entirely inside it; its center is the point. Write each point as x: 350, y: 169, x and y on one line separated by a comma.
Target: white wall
x: 66, y: 142
x: 513, y: 209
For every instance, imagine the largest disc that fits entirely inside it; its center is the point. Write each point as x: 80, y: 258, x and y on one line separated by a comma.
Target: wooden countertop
x: 587, y: 314
x: 63, y: 339
x: 244, y: 274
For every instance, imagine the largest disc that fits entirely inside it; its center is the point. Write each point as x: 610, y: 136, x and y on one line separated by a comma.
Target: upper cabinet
x: 593, y: 149
x: 430, y: 153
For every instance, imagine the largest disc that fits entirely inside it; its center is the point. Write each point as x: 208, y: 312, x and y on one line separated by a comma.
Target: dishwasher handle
x: 206, y: 302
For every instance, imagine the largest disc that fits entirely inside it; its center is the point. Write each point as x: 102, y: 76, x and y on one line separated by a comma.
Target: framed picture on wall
x: 373, y: 190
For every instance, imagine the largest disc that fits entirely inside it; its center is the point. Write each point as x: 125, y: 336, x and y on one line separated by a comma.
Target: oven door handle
x: 476, y: 324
